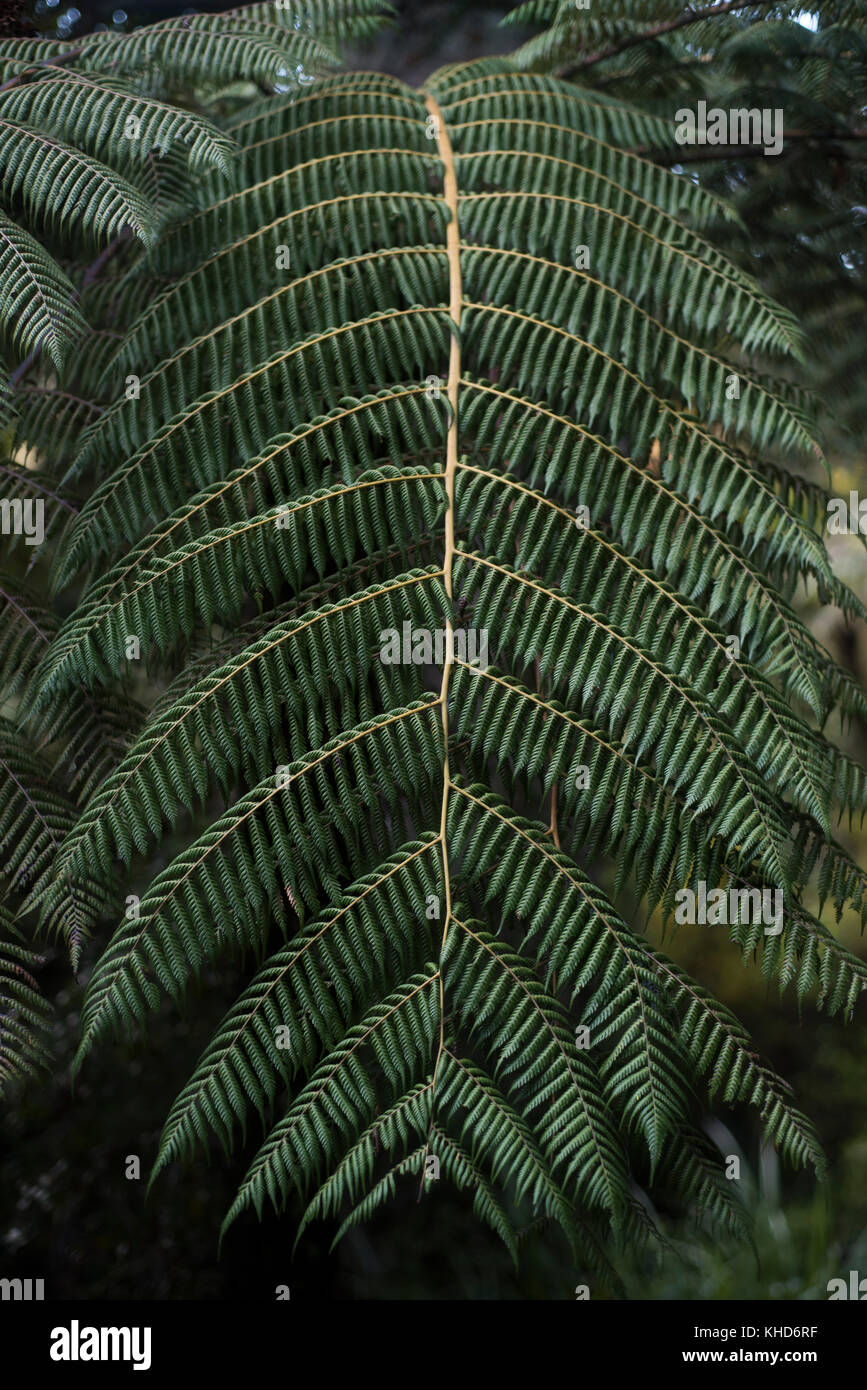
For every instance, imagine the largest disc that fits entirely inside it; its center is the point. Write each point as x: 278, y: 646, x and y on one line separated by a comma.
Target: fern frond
x: 46, y: 420
x: 360, y: 391
x: 57, y: 187
x: 98, y: 114
x: 693, y: 1167
x: 230, y: 722
x: 37, y: 308
x: 720, y: 1048
x: 275, y: 547
x: 332, y: 965
x: 559, y: 1087
x: 340, y: 1097
x: 34, y: 818
x: 26, y: 1016
x: 249, y: 43
x: 583, y: 943
x: 246, y: 855
x: 26, y: 630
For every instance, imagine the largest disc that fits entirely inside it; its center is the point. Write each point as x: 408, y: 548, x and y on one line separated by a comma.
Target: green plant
x: 93, y: 148
x: 801, y: 211
x: 449, y: 359
x: 791, y: 1256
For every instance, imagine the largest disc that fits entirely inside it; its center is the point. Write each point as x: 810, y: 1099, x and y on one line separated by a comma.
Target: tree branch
x: 690, y: 17
x: 92, y: 272
x: 28, y: 73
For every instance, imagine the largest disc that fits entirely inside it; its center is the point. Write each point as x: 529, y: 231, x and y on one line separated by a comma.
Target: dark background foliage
x: 68, y: 1213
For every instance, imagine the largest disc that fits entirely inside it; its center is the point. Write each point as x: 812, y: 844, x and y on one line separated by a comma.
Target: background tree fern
x: 802, y: 208
x: 93, y: 148
x: 365, y: 389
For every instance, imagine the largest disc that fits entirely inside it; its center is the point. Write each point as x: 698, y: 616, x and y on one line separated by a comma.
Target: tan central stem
x: 453, y: 248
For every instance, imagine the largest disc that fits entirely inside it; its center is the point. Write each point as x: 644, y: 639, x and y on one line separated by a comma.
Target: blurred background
x: 69, y: 1215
